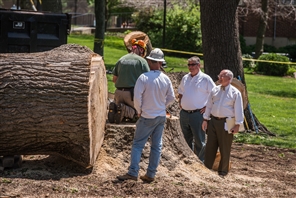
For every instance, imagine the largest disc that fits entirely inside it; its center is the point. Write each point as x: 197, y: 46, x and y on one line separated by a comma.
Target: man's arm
x: 138, y: 95
x: 170, y: 98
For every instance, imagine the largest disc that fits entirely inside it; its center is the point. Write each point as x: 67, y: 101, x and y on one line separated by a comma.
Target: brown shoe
x: 147, y: 179
x: 127, y: 177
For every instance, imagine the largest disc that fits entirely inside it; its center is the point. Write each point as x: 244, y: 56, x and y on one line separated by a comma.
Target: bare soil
x: 256, y: 171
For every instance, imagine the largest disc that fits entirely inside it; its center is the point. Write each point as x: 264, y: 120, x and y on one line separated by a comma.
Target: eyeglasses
x: 223, y: 76
x: 192, y: 64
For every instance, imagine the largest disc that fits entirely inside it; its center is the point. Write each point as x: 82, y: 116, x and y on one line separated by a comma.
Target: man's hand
x: 235, y: 129
x: 202, y: 110
x: 204, y: 125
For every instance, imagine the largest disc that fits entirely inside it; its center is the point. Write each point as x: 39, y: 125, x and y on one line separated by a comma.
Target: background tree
x: 221, y: 47
x: 183, y: 30
x: 100, y: 27
x: 265, y: 10
x: 54, y: 6
x: 259, y: 46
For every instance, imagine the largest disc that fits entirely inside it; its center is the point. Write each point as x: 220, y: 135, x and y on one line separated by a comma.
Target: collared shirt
x: 225, y: 103
x: 128, y: 68
x: 153, y: 93
x: 195, y: 90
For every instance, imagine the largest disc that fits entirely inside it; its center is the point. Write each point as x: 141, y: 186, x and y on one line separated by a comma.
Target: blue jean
x: 191, y: 127
x: 146, y: 128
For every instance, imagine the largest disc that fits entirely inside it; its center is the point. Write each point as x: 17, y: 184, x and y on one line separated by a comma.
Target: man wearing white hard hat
x: 153, y: 93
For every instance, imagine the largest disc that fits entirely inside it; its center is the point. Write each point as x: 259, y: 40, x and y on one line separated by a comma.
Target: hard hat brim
x: 158, y: 60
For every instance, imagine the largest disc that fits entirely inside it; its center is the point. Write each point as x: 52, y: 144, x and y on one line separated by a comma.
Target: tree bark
x: 259, y: 46
x: 220, y: 37
x: 100, y: 27
x: 221, y: 47
x: 53, y: 102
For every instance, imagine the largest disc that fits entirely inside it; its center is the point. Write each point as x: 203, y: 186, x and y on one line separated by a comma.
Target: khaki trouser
x: 125, y: 98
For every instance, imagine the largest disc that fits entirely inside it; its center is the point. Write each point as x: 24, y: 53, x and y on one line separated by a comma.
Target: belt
x: 218, y: 118
x: 125, y: 88
x: 191, y: 111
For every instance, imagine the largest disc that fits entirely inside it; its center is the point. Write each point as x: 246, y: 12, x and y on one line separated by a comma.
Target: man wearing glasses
x: 225, y: 101
x: 194, y: 90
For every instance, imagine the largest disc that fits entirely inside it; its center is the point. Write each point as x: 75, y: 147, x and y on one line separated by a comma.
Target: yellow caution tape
x: 246, y: 59
x: 181, y: 52
x: 267, y: 61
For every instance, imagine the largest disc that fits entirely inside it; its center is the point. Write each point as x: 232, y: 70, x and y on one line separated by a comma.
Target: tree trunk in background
x: 54, y: 6
x: 259, y: 46
x: 220, y: 37
x: 53, y: 102
x: 100, y: 27
x: 221, y: 47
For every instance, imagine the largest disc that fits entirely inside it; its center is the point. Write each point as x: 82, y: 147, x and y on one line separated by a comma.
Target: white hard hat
x: 156, y: 55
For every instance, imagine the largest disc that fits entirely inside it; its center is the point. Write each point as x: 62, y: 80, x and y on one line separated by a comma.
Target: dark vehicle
x: 28, y: 31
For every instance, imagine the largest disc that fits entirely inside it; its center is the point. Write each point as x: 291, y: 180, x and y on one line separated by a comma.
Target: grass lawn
x: 272, y: 99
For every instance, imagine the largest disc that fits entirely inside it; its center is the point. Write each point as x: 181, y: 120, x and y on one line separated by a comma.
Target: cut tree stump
x: 53, y: 102
x: 139, y: 36
x: 119, y: 138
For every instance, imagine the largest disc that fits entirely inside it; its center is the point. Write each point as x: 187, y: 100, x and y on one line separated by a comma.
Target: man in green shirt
x: 125, y: 74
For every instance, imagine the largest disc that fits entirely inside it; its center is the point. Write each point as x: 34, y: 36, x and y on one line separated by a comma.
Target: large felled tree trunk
x: 53, y: 103
x: 221, y: 47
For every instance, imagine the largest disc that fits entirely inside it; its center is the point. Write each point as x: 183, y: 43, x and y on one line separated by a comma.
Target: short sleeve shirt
x: 128, y: 69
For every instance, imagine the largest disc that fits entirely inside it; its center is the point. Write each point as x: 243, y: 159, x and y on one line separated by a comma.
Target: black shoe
x: 111, y: 112
x: 222, y: 174
x: 117, y: 116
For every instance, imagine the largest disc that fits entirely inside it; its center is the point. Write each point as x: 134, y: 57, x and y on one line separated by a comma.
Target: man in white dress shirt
x: 194, y: 90
x: 153, y: 93
x: 225, y: 101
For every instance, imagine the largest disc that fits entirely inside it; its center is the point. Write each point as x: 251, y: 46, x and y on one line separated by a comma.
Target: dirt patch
x: 257, y: 171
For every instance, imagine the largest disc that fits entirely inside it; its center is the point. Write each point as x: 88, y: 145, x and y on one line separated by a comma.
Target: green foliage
x: 127, y: 31
x: 274, y: 69
x: 244, y: 48
x: 291, y: 50
x: 291, y: 71
x: 251, y: 48
x: 183, y: 31
x: 270, y: 48
x: 249, y: 64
